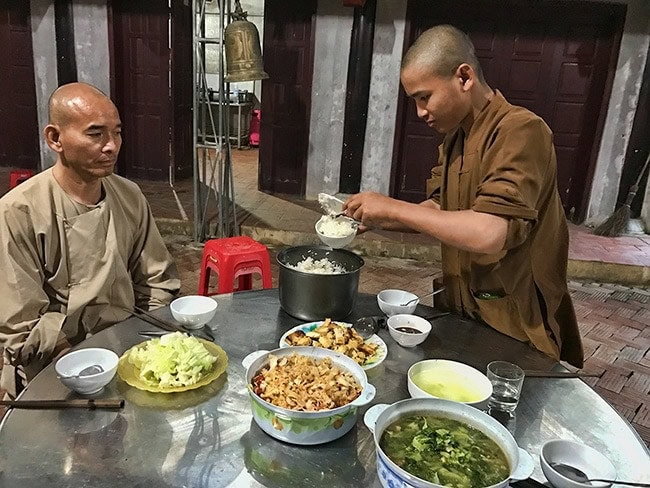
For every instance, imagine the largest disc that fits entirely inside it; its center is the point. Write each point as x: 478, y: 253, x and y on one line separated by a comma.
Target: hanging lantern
x: 243, y: 52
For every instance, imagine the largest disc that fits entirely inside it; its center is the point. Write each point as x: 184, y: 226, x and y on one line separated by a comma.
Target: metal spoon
x: 87, y: 371
x: 579, y: 476
x: 433, y: 293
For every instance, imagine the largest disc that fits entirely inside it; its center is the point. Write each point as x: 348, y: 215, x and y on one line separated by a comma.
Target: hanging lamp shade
x: 243, y: 52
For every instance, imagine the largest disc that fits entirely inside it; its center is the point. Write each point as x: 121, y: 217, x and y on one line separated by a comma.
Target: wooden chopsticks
x: 558, y: 374
x: 63, y: 404
x: 148, y: 317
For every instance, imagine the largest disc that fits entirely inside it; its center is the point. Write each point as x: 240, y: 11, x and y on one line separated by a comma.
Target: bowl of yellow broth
x: 449, y: 380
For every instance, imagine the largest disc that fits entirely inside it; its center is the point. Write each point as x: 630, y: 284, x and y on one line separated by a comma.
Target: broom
x: 616, y: 224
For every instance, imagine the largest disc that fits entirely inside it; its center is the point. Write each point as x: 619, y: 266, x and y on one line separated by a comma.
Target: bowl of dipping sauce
x: 449, y: 380
x: 408, y: 330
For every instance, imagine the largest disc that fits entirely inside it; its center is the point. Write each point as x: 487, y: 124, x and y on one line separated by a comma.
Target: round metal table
x: 206, y: 437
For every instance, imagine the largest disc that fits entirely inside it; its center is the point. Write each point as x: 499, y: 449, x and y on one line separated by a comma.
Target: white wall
x: 45, y: 75
x: 331, y: 52
x: 384, y: 91
x: 620, y: 113
x: 91, y: 43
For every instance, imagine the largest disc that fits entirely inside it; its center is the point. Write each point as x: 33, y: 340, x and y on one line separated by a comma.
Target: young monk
x: 79, y: 243
x: 493, y: 201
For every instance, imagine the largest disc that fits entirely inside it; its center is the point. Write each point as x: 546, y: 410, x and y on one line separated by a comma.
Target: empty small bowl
x: 408, y: 330
x: 390, y: 302
x: 331, y: 240
x: 193, y: 311
x: 591, y: 462
x: 73, y: 362
x: 449, y: 380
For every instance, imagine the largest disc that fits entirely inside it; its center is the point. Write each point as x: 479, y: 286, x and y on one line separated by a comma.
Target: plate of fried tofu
x: 339, y: 337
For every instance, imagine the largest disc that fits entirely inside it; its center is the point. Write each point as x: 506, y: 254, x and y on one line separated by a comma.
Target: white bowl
x: 390, y: 302
x: 335, y: 242
x: 408, y: 339
x: 73, y: 362
x: 585, y: 458
x: 193, y: 311
x: 451, y: 372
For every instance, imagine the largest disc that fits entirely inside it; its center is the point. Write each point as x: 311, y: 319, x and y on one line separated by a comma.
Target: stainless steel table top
x: 206, y: 437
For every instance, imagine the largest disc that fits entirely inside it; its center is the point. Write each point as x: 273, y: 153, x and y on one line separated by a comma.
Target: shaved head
x: 73, y: 99
x: 441, y: 50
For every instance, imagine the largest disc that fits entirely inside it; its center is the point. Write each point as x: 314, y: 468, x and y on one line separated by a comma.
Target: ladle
x: 433, y: 293
x: 579, y: 476
x: 87, y: 371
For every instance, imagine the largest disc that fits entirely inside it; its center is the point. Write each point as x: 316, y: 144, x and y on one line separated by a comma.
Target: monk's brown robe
x: 506, y: 166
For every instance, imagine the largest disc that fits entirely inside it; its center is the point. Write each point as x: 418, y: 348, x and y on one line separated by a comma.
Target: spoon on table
x: 87, y: 371
x: 579, y: 476
x: 433, y: 293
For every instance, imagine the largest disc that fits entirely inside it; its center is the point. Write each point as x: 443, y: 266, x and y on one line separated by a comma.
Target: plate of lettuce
x: 172, y: 363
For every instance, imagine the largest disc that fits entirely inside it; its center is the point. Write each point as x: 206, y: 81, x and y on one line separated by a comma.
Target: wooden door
x: 286, y: 95
x: 556, y: 60
x: 182, y: 83
x: 19, y: 135
x: 141, y: 63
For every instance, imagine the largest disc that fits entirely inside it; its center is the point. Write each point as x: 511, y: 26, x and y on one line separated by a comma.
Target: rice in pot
x: 318, y: 266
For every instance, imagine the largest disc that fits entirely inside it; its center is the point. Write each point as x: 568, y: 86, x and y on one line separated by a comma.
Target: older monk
x: 493, y: 201
x: 79, y: 243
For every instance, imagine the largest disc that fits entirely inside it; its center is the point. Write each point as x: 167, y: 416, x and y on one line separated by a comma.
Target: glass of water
x: 507, y: 380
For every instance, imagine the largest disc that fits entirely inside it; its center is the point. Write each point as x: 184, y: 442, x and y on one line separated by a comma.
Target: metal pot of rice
x: 317, y: 282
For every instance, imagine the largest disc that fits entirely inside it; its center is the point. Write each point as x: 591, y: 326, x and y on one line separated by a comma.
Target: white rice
x: 336, y: 227
x: 318, y: 266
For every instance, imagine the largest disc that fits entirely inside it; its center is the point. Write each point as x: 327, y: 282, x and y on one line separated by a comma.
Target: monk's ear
x: 466, y: 76
x: 52, y: 135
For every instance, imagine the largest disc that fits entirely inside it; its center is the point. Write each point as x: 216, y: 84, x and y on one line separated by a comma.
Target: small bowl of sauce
x: 408, y: 330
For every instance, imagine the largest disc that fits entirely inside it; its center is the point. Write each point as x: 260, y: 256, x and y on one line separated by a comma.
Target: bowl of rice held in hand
x: 305, y: 395
x: 336, y: 232
x: 316, y: 282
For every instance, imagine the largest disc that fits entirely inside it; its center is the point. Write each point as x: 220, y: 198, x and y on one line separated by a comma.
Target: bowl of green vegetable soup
x: 430, y: 442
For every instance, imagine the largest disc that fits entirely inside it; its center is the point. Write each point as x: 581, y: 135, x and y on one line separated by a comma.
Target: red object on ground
x: 17, y: 176
x: 254, y: 133
x: 234, y: 258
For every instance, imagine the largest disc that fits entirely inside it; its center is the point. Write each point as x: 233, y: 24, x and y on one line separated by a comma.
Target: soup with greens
x: 445, y: 452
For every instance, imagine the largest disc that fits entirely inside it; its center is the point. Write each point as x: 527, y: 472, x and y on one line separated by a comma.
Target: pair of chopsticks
x: 148, y: 317
x: 64, y: 404
x: 558, y: 374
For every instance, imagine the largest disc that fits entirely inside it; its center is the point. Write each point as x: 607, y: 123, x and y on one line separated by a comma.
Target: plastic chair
x: 234, y: 258
x: 17, y: 176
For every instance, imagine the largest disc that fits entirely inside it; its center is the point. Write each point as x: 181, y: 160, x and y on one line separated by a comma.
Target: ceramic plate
x: 131, y: 375
x: 370, y: 363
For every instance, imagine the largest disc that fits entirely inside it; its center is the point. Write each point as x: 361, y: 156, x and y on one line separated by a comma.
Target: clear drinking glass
x: 507, y: 380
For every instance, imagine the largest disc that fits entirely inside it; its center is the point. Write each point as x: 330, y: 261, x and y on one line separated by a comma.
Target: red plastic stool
x: 17, y: 176
x: 234, y: 258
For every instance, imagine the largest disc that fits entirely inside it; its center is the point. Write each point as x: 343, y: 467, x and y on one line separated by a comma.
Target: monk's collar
x: 490, y: 107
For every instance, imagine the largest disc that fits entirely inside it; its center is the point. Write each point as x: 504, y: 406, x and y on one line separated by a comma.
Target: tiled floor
x: 614, y: 319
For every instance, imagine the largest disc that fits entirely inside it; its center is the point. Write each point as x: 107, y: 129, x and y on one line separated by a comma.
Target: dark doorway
x: 153, y: 86
x: 557, y: 60
x: 19, y: 135
x: 286, y: 95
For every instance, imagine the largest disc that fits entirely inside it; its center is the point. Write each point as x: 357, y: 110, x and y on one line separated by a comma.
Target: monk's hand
x: 371, y: 209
